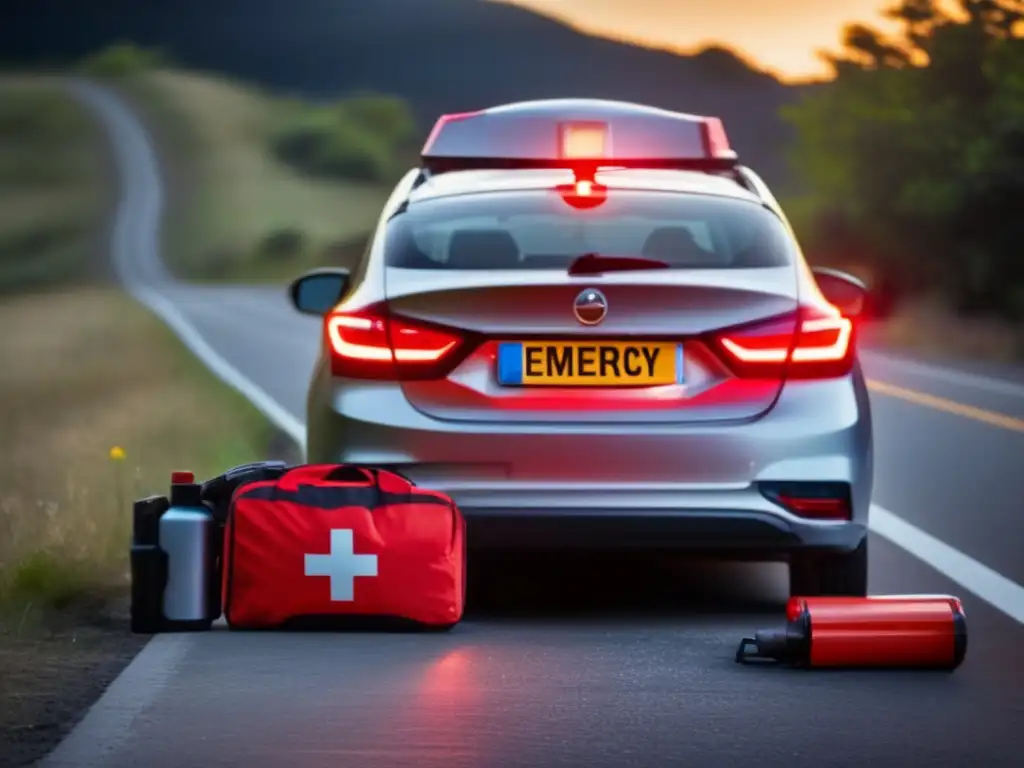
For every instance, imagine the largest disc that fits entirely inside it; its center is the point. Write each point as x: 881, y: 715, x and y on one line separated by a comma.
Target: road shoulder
x: 88, y: 370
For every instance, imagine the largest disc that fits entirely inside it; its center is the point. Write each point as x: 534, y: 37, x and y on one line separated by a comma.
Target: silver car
x: 602, y: 354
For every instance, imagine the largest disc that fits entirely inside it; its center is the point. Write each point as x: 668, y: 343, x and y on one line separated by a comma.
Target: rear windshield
x: 539, y: 230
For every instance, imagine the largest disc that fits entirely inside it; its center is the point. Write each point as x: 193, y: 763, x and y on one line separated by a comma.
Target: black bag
x: 149, y: 566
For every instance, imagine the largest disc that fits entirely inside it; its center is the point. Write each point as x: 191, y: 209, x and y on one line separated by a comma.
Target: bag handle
x: 332, y: 474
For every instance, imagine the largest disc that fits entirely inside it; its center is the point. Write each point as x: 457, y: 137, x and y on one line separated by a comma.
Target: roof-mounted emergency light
x: 583, y: 141
x: 577, y: 133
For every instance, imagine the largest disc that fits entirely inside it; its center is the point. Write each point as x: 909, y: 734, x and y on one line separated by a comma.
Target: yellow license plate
x: 589, y: 363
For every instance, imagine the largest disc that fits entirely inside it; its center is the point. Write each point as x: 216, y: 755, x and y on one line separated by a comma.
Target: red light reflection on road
x: 447, y: 708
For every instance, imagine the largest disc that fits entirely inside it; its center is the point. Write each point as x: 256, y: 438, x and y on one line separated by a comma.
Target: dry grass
x: 90, y: 370
x: 84, y: 368
x: 930, y: 329
x: 233, y: 193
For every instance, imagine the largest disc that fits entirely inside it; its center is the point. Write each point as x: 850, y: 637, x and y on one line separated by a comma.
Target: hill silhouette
x: 441, y: 55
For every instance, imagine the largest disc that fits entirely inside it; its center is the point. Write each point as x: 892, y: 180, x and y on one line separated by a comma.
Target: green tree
x: 362, y: 138
x: 914, y: 153
x: 387, y: 117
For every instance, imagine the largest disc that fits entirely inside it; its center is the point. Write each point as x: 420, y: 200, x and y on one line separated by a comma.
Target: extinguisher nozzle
x: 744, y: 654
x: 782, y: 645
x: 765, y: 647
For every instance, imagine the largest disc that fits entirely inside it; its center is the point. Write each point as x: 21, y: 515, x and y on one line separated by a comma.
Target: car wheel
x: 843, y: 574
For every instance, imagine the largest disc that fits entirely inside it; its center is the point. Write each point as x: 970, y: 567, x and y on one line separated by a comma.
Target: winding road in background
x: 640, y: 673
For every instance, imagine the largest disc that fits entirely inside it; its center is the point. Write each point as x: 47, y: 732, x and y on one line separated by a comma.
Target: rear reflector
x: 818, y: 501
x: 371, y: 344
x: 815, y: 343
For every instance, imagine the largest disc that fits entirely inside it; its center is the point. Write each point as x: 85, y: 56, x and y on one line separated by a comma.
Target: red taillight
x: 371, y: 344
x: 814, y: 343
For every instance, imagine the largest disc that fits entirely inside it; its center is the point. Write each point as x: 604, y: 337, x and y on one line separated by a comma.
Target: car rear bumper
x: 740, y: 520
x: 740, y: 534
x: 687, y: 487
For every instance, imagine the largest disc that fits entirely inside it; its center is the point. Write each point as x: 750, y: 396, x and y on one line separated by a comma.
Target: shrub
x: 387, y: 117
x: 325, y: 143
x: 44, y: 578
x: 282, y: 244
x: 122, y: 60
x: 360, y: 139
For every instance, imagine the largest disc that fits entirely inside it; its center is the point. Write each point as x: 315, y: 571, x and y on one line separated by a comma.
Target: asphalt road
x: 588, y: 664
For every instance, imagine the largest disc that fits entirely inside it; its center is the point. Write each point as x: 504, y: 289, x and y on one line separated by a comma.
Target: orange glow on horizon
x: 781, y: 38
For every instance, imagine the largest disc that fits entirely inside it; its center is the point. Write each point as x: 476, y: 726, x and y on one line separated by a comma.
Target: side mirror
x: 317, y: 292
x: 844, y: 291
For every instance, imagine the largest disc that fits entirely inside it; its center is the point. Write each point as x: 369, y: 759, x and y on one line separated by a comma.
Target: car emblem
x: 590, y: 306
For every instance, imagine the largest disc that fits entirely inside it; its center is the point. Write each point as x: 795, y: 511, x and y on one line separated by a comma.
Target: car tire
x: 840, y: 574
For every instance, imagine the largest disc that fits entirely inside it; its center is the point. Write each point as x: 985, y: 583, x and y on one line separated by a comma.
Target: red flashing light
x: 371, y: 344
x: 584, y: 192
x: 182, y: 478
x: 583, y: 141
x: 574, y: 133
x: 822, y: 347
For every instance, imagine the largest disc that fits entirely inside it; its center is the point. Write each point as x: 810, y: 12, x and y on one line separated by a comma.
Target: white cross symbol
x: 342, y: 565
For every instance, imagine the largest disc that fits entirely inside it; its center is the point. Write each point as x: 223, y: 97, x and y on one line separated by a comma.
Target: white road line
x: 991, y: 586
x: 138, y: 259
x: 277, y: 414
x: 136, y: 249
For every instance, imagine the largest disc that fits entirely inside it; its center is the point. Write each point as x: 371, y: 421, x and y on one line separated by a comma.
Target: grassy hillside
x: 237, y: 211
x: 64, y: 508
x: 443, y: 55
x: 49, y: 201
x: 85, y: 369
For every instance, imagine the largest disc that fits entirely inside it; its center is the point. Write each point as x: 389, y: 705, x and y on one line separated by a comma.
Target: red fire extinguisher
x: 908, y: 631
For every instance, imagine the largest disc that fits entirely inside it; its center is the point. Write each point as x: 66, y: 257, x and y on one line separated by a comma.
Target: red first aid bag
x: 341, y: 546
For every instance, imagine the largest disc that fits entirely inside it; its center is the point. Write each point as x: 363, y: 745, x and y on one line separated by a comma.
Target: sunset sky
x: 778, y: 35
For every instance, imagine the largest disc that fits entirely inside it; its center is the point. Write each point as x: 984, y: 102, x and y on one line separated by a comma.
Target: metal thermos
x: 187, y: 534
x: 174, y: 561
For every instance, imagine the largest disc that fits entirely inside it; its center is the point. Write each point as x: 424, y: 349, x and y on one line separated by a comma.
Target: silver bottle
x: 187, y: 536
